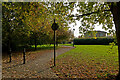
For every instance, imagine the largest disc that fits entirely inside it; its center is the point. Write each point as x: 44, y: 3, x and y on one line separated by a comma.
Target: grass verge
x: 87, y: 61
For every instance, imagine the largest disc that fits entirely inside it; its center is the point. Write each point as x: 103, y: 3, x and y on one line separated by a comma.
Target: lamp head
x: 54, y: 26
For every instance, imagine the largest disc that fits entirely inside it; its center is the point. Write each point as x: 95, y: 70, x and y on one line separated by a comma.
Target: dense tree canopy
x: 94, y: 13
x: 30, y: 22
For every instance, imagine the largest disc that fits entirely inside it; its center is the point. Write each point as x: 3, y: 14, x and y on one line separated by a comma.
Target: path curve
x: 37, y: 68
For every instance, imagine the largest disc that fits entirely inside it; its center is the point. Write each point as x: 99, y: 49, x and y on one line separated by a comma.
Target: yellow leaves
x: 95, y: 37
x: 20, y: 8
x: 20, y: 17
x: 23, y: 20
x: 3, y: 4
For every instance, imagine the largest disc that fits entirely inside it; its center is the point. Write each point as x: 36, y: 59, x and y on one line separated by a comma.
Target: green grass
x: 92, y: 51
x: 96, y: 56
x: 44, y: 47
x: 40, y: 46
x: 66, y: 44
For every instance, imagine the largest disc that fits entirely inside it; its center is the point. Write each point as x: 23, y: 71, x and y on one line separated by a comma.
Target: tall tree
x: 13, y: 28
x: 28, y: 18
x: 115, y: 9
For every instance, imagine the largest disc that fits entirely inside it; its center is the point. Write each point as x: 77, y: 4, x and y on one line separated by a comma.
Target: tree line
x: 29, y: 23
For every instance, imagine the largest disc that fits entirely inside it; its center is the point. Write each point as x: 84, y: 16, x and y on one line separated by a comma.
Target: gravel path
x: 36, y: 68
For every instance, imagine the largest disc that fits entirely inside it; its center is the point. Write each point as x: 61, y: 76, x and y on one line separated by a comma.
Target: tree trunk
x: 35, y: 44
x: 56, y: 43
x: 115, y: 9
x: 35, y: 38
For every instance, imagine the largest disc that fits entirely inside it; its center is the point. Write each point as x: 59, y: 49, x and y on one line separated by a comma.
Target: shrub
x: 92, y: 41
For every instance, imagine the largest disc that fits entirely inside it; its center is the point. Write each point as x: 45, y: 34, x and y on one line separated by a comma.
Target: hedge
x: 98, y: 41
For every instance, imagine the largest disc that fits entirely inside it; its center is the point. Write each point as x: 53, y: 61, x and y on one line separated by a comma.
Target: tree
x: 24, y: 20
x: 106, y: 14
x: 35, y: 20
x: 115, y: 9
x: 0, y: 24
x: 13, y: 28
x: 63, y: 34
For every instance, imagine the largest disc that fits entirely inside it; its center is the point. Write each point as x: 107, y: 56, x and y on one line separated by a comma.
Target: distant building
x: 95, y: 34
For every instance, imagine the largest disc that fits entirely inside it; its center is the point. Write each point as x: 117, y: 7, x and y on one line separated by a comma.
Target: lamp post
x: 54, y: 28
x: 73, y: 35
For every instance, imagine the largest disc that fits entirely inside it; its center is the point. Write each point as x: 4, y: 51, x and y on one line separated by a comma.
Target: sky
x: 76, y: 27
x: 76, y: 32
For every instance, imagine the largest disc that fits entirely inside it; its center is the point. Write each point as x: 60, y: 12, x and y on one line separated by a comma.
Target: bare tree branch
x: 88, y: 13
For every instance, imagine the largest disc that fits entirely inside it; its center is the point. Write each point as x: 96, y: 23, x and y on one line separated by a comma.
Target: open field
x: 87, y: 61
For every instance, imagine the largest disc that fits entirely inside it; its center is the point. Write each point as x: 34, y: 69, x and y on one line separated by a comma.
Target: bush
x: 92, y: 41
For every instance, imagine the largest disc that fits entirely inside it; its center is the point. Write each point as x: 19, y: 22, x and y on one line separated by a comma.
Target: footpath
x: 33, y: 68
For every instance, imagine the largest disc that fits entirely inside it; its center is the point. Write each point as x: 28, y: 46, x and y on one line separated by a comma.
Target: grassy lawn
x: 41, y: 47
x: 66, y: 44
x: 87, y: 61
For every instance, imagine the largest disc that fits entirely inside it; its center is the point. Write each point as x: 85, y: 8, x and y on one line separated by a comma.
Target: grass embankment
x: 87, y: 61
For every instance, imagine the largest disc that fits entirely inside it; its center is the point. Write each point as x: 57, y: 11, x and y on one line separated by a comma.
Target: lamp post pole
x: 54, y: 47
x: 54, y: 28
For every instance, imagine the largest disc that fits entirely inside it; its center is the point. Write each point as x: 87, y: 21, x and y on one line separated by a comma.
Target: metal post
x: 10, y: 55
x: 54, y: 47
x: 24, y: 56
x: 54, y: 28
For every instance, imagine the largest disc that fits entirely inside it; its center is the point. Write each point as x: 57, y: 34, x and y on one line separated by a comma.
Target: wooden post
x: 10, y: 55
x: 24, y: 56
